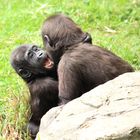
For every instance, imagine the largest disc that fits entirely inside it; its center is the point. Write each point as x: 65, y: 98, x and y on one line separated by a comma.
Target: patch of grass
x: 113, y: 24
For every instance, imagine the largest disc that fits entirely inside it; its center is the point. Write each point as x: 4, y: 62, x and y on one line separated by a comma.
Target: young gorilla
x: 37, y: 69
x: 57, y: 35
x: 81, y: 66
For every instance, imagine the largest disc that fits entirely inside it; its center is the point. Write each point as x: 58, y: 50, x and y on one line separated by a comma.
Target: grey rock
x: 108, y: 112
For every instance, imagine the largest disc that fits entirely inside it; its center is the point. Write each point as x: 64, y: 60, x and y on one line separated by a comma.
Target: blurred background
x: 113, y: 24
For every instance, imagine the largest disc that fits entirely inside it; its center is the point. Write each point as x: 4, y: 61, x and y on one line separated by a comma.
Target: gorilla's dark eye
x: 30, y: 54
x: 34, y: 48
x: 24, y: 73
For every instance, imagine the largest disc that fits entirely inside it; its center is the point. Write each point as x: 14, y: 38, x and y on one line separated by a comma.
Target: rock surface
x: 108, y: 112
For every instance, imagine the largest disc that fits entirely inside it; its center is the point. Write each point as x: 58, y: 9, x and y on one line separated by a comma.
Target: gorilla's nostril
x: 40, y: 54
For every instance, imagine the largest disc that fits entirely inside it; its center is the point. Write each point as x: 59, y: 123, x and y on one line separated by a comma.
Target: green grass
x: 113, y: 24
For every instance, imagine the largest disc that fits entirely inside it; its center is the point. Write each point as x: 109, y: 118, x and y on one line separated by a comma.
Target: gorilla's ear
x: 47, y: 41
x: 24, y: 73
x: 87, y: 39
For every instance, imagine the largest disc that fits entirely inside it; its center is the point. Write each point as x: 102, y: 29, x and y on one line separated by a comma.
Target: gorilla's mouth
x: 48, y: 64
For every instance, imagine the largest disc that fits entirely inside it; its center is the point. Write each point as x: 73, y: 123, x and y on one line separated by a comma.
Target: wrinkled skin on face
x: 30, y: 61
